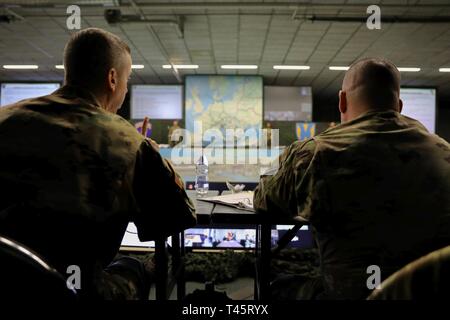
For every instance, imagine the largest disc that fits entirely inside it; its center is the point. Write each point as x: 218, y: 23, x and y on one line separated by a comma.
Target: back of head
x: 89, y: 55
x: 373, y: 83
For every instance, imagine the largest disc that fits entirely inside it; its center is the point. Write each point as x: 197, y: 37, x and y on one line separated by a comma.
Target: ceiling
x: 264, y: 33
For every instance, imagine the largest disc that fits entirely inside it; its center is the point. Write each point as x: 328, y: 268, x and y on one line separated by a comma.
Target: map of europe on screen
x: 224, y: 102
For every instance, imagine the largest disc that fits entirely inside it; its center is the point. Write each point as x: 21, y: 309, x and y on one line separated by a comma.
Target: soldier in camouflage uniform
x: 74, y: 173
x: 174, y: 135
x: 374, y: 189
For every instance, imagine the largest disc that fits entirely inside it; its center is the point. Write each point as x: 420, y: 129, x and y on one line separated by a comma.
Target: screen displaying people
x: 174, y: 135
x: 220, y: 238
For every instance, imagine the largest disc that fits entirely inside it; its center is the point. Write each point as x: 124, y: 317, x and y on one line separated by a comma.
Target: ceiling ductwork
x: 298, y: 10
x: 47, y: 3
x: 206, y: 5
x: 385, y: 19
x: 115, y: 16
x: 5, y: 18
x: 9, y: 16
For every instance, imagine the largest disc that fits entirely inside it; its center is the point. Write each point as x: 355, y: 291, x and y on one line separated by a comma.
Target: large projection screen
x: 14, y: 92
x: 156, y: 102
x: 224, y: 102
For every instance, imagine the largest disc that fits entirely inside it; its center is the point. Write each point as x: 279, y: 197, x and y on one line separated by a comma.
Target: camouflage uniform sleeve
x: 164, y: 207
x: 278, y: 195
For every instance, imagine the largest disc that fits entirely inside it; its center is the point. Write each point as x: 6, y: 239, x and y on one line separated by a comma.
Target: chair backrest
x: 26, y: 275
x: 427, y: 278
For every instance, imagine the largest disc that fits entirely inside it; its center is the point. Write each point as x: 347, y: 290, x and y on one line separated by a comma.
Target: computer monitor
x: 131, y: 240
x: 14, y: 92
x: 287, y: 103
x: 303, y: 239
x: 200, y: 238
x: 243, y: 238
x: 420, y: 104
x: 220, y: 238
x: 156, y: 102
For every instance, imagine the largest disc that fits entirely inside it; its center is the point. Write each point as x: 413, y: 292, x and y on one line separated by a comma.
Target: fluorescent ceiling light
x: 338, y: 68
x: 239, y: 66
x: 444, y: 69
x: 20, y: 66
x: 291, y: 67
x: 133, y: 66
x: 180, y: 66
x: 408, y: 69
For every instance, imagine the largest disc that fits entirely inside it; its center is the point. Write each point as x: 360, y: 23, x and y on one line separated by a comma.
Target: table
x: 209, y: 214
x: 163, y: 286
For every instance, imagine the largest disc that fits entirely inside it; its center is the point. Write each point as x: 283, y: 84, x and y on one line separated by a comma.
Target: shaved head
x: 369, y: 85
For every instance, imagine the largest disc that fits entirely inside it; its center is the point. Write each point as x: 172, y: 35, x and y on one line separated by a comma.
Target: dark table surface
x: 208, y: 212
x: 203, y: 209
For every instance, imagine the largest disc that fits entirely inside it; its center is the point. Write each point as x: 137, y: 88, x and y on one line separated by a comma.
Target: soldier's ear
x: 400, y: 105
x: 342, y: 101
x: 112, y: 79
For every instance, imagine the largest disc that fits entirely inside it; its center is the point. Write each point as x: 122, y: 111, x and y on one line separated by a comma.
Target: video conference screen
x: 14, y: 92
x: 220, y: 238
x: 156, y: 102
x: 224, y: 238
x: 287, y: 103
x: 420, y: 104
x: 224, y: 102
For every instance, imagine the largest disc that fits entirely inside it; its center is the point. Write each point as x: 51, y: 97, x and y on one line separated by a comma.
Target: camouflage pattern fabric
x: 426, y: 278
x: 375, y: 190
x: 126, y: 278
x: 73, y: 175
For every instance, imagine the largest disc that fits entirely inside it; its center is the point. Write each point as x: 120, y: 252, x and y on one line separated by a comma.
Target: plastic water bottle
x: 201, y: 178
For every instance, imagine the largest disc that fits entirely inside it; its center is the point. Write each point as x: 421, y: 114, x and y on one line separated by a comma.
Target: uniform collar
x: 382, y: 114
x: 71, y: 92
